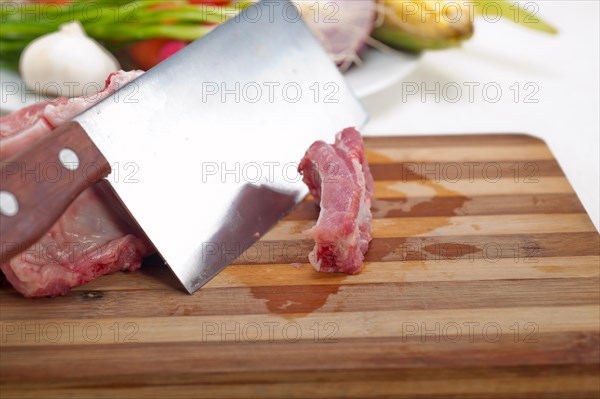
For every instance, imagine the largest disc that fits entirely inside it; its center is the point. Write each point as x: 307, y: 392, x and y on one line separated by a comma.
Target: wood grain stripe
x: 155, y: 276
x: 453, y: 226
x: 406, y: 324
x: 451, y: 140
x: 501, y: 382
x: 474, y: 153
x: 404, y: 341
x: 489, y: 247
x: 568, y: 384
x: 452, y: 206
x: 465, y: 188
x: 295, y: 300
x: 523, y: 170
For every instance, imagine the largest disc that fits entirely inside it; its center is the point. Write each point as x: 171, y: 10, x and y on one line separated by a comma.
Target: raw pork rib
x: 339, y: 177
x: 90, y: 239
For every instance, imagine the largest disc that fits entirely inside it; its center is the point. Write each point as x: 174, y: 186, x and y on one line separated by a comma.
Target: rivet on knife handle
x: 39, y: 184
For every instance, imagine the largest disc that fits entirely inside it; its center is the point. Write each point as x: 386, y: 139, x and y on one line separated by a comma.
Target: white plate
x: 379, y: 70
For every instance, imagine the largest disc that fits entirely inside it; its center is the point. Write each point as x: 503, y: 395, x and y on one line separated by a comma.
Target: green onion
x: 523, y: 15
x: 117, y: 23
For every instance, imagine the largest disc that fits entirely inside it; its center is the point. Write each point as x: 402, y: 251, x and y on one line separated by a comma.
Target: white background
x: 564, y: 67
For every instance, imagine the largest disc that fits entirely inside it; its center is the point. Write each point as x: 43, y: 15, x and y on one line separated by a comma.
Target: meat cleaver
x: 210, y: 138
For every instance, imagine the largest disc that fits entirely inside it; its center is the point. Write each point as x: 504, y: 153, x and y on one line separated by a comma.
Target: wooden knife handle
x: 38, y: 185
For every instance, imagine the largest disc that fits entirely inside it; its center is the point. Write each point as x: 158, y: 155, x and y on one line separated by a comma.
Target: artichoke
x: 420, y: 25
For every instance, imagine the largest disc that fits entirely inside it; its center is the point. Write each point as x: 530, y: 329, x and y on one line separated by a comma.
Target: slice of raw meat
x: 90, y: 239
x: 339, y: 177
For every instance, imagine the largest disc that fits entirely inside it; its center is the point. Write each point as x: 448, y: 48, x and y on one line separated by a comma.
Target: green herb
x: 116, y: 23
x: 525, y: 15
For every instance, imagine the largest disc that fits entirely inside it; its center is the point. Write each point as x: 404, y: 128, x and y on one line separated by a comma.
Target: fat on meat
x: 91, y: 238
x: 339, y: 178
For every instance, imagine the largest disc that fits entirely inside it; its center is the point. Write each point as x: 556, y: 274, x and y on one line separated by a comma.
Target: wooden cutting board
x: 482, y: 280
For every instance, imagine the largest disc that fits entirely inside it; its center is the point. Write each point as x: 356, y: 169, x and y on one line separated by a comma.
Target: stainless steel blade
x: 204, y: 147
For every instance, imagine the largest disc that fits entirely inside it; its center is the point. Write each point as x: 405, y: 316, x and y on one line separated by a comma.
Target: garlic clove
x: 66, y: 63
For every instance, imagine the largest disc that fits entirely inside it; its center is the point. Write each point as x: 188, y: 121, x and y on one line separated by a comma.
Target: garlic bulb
x: 66, y: 63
